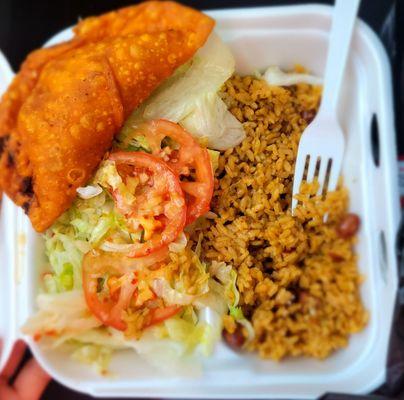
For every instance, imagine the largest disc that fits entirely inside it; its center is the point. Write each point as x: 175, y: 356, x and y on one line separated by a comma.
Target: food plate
x: 259, y: 37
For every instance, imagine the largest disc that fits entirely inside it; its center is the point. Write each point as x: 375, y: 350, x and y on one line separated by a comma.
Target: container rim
x: 313, y: 8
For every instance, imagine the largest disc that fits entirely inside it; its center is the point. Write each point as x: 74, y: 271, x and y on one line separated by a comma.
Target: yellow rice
x: 298, y: 281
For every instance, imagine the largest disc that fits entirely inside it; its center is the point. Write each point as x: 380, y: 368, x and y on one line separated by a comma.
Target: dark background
x: 26, y: 25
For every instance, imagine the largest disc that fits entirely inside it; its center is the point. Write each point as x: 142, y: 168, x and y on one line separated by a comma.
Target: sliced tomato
x: 97, y: 269
x: 158, y: 315
x: 109, y: 284
x: 188, y: 160
x: 158, y: 209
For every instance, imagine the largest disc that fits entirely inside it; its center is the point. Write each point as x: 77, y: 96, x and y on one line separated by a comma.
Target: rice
x: 298, y: 280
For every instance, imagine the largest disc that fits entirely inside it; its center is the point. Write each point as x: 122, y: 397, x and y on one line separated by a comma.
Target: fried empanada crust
x: 60, y: 114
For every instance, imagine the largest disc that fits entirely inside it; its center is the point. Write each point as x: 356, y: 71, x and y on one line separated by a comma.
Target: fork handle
x: 343, y: 22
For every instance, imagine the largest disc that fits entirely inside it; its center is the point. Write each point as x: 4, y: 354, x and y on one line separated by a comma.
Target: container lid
x: 8, y: 331
x: 6, y: 73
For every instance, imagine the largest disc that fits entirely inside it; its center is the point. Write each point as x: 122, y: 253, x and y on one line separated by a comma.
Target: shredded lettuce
x: 172, y: 347
x: 65, y: 258
x: 163, y: 289
x: 227, y: 276
x: 98, y: 356
x: 107, y: 176
x: 236, y: 313
x: 61, y: 314
x: 164, y: 349
x: 214, y: 159
x: 176, y: 292
x: 188, y: 333
x: 188, y: 314
x: 139, y: 143
x: 211, y: 120
x: 212, y: 319
x: 179, y: 244
x: 126, y: 139
x: 83, y: 227
x: 89, y: 191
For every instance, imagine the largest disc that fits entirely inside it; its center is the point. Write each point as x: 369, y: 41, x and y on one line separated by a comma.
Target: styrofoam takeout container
x: 258, y: 37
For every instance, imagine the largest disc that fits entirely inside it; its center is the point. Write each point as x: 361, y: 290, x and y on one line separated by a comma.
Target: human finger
x: 31, y: 381
x: 14, y: 360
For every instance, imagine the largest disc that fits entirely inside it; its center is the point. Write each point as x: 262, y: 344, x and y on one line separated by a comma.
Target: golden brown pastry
x: 62, y: 110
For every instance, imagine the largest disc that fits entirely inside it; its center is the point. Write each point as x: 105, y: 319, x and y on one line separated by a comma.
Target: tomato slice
x: 107, y: 308
x: 189, y: 161
x: 159, y: 204
x: 158, y: 315
x: 110, y: 284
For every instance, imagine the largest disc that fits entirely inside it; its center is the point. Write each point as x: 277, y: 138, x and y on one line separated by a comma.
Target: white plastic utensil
x: 321, y: 147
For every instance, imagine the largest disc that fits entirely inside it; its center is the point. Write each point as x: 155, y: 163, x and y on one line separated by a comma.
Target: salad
x: 123, y: 271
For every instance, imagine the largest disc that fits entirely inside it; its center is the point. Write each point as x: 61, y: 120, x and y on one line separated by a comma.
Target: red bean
x: 348, y: 226
x: 308, y: 115
x: 303, y: 297
x: 336, y: 257
x: 234, y: 340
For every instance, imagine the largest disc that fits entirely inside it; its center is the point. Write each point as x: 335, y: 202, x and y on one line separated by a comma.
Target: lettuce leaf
x: 214, y: 159
x: 98, y: 356
x: 191, y: 99
x: 84, y: 226
x: 227, y: 276
x: 211, y: 120
x: 61, y: 314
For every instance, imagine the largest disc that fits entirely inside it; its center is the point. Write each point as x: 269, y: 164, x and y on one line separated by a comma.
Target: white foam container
x: 259, y: 37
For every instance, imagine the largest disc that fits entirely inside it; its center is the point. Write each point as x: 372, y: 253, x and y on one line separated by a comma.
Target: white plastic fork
x: 321, y: 147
